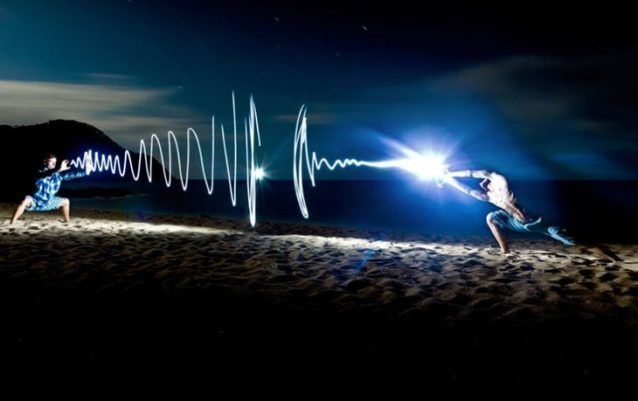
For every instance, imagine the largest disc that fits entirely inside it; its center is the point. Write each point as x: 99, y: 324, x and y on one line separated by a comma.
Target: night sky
x: 535, y: 91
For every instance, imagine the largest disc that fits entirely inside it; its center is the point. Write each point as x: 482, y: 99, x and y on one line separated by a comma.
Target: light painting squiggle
x: 422, y: 165
x: 121, y: 166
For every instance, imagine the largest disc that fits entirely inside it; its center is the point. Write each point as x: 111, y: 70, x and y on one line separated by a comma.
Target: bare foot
x: 65, y: 221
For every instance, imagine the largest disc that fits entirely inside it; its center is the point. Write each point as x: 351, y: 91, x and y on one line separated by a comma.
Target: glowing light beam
x: 429, y: 166
x: 124, y: 165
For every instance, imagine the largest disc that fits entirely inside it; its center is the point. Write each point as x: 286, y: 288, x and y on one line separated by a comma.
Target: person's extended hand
x: 440, y: 181
x: 64, y: 166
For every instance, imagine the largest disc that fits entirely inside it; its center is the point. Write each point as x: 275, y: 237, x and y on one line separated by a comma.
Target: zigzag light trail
x: 124, y: 165
x: 423, y: 166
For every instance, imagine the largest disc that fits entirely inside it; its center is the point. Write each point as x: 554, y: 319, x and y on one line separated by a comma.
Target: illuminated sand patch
x: 345, y: 268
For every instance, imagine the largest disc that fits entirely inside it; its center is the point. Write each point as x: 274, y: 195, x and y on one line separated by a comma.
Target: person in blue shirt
x: 510, y: 216
x: 47, y: 184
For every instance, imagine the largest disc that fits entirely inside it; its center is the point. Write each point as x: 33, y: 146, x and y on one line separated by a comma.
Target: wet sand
x: 178, y: 304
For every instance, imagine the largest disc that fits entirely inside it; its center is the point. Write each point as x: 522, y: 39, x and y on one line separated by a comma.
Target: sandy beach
x: 315, y: 304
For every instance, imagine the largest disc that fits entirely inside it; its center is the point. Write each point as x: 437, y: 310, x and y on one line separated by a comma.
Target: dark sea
x: 589, y: 210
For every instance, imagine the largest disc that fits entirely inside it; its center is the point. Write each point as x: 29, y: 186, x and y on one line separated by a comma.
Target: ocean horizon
x: 596, y: 210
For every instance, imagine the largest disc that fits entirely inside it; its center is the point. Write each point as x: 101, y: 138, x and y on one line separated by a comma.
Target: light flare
x: 260, y: 174
x: 423, y: 166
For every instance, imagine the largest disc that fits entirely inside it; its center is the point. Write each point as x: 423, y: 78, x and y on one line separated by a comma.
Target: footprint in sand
x: 608, y: 277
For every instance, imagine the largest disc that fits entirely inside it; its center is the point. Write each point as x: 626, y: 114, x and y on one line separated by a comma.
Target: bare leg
x: 20, y: 210
x: 502, y: 242
x: 66, y: 208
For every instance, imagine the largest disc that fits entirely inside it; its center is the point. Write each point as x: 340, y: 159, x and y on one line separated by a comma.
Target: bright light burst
x: 422, y: 165
x: 260, y: 174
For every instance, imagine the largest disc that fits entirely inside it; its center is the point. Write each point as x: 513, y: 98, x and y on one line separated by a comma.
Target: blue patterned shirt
x: 49, y: 184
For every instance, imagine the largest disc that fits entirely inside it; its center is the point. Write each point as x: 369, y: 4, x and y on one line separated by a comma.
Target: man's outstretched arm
x: 70, y: 175
x: 77, y: 173
x: 40, y: 174
x: 51, y: 172
x: 470, y: 174
x: 482, y: 196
